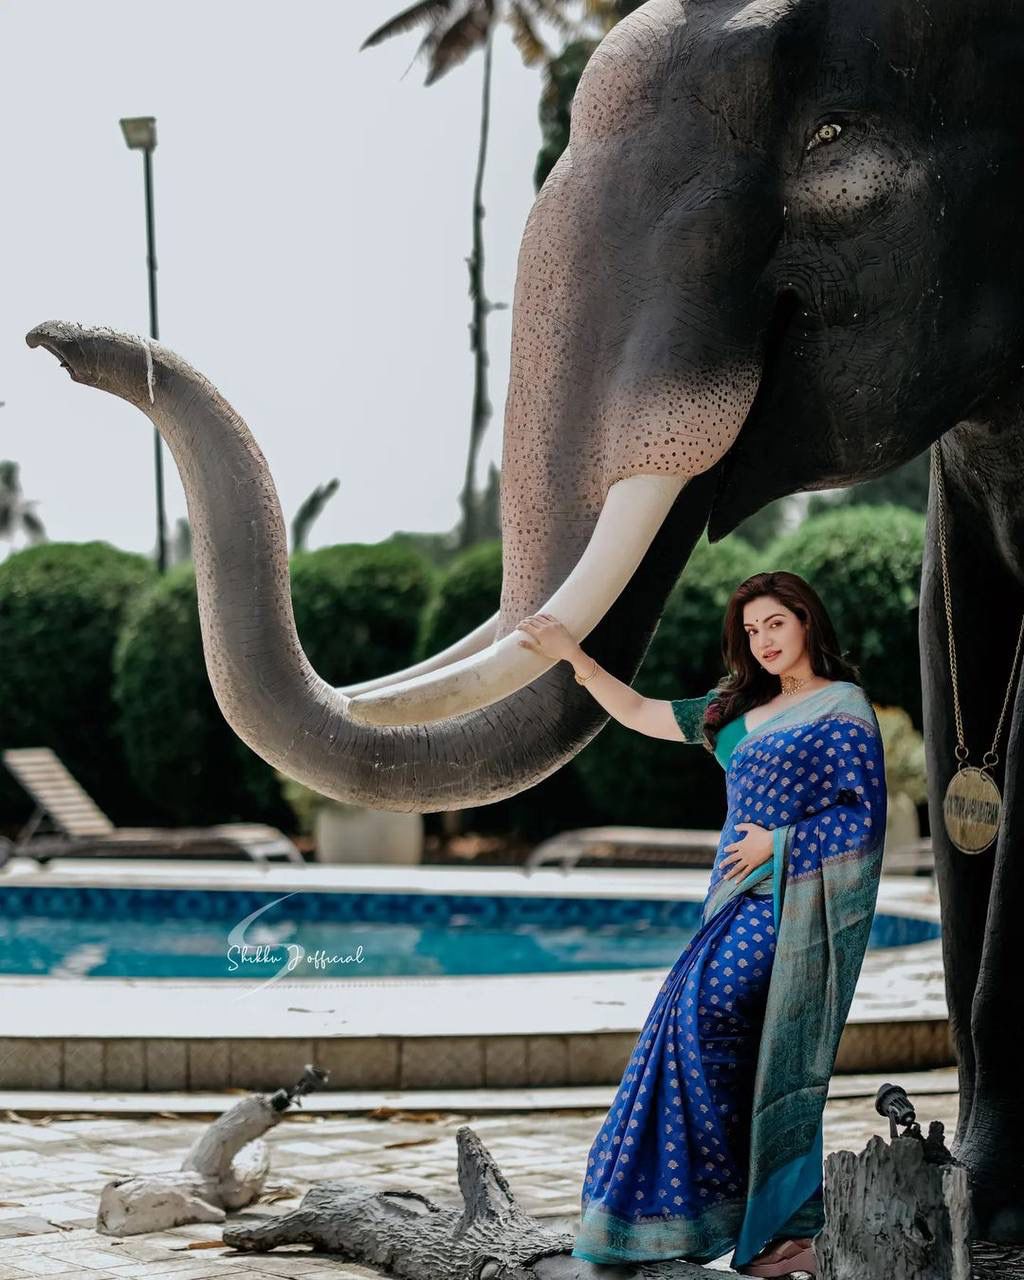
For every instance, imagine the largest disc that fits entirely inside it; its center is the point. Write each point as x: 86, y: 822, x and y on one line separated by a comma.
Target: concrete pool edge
x: 544, y: 1030
x: 935, y: 1081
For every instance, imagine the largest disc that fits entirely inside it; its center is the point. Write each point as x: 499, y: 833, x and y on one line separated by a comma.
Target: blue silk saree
x: 714, y: 1139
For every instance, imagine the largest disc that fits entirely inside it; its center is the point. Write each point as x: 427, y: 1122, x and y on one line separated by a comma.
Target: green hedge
x: 468, y: 592
x: 61, y: 608
x: 358, y: 607
x: 865, y: 563
x: 357, y: 611
x: 635, y: 779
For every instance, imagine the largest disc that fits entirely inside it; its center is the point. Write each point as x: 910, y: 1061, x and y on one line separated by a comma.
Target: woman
x: 714, y: 1139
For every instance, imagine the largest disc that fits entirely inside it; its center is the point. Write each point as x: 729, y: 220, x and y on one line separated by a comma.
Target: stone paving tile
x: 31, y: 1265
x: 26, y: 1225
x: 82, y: 1253
x: 194, y: 1266
x: 287, y: 1264
x: 198, y: 1270
x: 38, y: 1136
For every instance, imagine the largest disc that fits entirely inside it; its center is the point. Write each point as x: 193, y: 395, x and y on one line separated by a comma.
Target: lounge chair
x: 646, y: 846
x: 678, y: 847
x: 81, y: 827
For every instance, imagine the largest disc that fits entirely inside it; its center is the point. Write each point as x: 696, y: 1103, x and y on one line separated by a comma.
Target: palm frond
x: 549, y: 94
x: 15, y: 509
x: 423, y: 13
x: 309, y: 511
x: 605, y: 12
x: 532, y: 48
x: 181, y: 541
x: 553, y: 11
x: 464, y: 35
x: 33, y: 526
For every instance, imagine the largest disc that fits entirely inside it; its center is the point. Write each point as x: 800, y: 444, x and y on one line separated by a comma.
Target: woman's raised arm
x: 677, y: 721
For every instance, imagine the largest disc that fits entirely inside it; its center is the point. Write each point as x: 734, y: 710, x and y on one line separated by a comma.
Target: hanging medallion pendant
x: 971, y: 810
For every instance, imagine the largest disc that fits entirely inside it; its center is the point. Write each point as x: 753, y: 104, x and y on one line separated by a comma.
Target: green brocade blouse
x: 689, y: 714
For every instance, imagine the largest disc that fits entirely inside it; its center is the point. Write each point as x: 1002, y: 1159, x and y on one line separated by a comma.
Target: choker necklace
x: 972, y: 804
x: 790, y: 684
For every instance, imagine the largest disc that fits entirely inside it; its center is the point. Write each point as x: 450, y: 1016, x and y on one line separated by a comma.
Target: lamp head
x: 139, y: 132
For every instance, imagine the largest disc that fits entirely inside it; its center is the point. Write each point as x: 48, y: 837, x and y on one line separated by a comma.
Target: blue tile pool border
x: 101, y: 902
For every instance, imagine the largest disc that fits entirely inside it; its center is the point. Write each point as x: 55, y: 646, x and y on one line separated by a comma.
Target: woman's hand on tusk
x: 546, y: 636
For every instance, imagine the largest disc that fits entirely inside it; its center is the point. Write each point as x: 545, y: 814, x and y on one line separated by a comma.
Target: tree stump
x: 404, y: 1234
x: 890, y: 1215
x: 996, y: 1261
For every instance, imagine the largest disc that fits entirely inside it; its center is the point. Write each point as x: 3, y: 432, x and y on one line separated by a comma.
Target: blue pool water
x: 181, y: 933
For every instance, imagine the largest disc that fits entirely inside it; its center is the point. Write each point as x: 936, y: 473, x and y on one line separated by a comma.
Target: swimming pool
x: 68, y: 931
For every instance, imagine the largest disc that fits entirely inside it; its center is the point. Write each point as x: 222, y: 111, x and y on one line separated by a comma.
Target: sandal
x: 792, y: 1256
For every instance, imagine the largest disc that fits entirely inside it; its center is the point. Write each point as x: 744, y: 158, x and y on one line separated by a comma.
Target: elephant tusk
x: 464, y: 647
x: 633, y: 511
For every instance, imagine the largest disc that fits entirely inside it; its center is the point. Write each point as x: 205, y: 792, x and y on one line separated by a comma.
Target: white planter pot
x: 902, y: 826
x: 345, y: 834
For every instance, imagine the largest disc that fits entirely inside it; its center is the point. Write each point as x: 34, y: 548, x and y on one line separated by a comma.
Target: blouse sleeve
x: 689, y: 714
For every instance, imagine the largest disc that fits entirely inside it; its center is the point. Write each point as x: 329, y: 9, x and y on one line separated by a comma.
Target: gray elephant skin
x: 782, y: 252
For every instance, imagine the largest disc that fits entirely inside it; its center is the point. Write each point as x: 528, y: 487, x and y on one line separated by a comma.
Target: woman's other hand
x: 548, y: 637
x: 749, y: 853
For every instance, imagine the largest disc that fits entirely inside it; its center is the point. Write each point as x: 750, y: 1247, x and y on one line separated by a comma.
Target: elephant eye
x: 824, y: 134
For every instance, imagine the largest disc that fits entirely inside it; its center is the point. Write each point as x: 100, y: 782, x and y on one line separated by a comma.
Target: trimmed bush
x: 865, y: 563
x: 61, y: 608
x: 467, y: 594
x: 358, y: 607
x: 357, y: 611
x: 634, y: 779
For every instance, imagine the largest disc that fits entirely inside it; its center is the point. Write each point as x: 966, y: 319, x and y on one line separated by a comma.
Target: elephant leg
x: 963, y: 883
x: 992, y: 1143
x: 979, y: 894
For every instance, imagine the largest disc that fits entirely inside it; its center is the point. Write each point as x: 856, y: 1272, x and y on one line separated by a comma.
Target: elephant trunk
x: 261, y: 678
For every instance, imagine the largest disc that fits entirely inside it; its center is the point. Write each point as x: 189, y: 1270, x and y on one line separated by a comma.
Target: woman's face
x: 776, y: 634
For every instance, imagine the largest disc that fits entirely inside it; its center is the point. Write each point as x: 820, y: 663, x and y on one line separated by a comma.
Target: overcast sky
x: 312, y: 224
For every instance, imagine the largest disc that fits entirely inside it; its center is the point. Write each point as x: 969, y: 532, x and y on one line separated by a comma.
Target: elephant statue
x: 781, y: 252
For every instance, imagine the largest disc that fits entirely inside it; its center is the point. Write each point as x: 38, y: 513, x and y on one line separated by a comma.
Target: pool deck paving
x: 53, y: 1166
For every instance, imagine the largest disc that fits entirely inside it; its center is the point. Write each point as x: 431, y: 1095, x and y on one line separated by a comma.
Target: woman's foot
x: 782, y: 1258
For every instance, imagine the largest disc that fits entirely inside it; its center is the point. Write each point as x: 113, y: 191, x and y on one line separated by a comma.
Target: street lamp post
x: 140, y: 135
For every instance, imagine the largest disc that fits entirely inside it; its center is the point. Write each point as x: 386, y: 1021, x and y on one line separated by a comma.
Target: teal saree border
x: 794, y: 1183
x: 660, y: 1237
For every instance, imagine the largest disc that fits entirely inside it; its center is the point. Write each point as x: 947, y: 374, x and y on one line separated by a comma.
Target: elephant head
x: 780, y: 253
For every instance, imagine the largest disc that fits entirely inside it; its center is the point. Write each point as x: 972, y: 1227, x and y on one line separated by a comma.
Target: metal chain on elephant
x: 972, y: 805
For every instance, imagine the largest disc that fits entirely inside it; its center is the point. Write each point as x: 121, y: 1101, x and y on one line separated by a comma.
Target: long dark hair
x: 748, y: 684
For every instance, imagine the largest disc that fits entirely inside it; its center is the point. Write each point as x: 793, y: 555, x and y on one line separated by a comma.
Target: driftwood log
x: 224, y: 1170
x: 404, y: 1234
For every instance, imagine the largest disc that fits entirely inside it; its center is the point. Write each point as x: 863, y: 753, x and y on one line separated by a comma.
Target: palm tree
x: 455, y: 28
x: 181, y: 542
x: 16, y: 513
x: 303, y: 520
x: 309, y: 511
